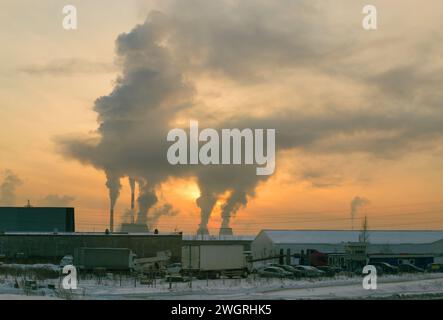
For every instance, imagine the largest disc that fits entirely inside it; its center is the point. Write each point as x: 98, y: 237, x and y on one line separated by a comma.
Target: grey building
x: 51, y: 247
x: 36, y: 219
x: 196, y: 240
x: 271, y: 243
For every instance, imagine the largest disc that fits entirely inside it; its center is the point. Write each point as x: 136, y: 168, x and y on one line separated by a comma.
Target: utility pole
x: 364, y: 233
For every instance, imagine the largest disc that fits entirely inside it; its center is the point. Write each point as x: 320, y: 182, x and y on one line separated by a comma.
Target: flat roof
x: 87, y: 234
x: 194, y: 237
x: 341, y: 236
x: 24, y: 207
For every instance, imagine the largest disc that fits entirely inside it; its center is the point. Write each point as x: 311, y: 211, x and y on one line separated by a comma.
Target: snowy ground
x: 420, y: 286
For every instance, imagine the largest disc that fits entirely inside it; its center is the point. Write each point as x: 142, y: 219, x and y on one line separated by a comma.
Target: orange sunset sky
x: 367, y: 105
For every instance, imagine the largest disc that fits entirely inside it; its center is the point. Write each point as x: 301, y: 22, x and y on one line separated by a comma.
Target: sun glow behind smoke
x: 365, y: 119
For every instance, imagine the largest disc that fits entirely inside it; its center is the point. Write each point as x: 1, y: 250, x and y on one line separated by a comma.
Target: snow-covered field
x: 419, y: 286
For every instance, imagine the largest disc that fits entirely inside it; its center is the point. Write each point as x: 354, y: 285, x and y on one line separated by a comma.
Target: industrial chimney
x: 226, y: 232
x: 202, y: 231
x: 132, y: 206
x: 111, y: 220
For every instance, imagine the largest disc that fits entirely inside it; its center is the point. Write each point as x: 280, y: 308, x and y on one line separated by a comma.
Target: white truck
x: 111, y: 259
x: 213, y: 261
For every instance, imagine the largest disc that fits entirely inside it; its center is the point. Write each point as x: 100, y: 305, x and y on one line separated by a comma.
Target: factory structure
x: 33, y: 234
x: 345, y: 249
x: 36, y: 234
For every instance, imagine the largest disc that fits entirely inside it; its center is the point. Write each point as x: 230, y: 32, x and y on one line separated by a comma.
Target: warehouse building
x: 275, y: 243
x: 51, y: 247
x: 36, y: 219
x: 201, y: 240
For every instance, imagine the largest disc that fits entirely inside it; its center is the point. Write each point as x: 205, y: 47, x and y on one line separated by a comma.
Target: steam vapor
x: 159, y: 59
x: 8, y: 187
x: 356, y: 204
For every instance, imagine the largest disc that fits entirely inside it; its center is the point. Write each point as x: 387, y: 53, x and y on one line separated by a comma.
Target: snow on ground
x: 395, y: 286
x: 37, y: 266
x: 430, y: 288
x: 24, y: 297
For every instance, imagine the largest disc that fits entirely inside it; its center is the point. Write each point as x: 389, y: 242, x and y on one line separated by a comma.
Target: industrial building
x: 35, y: 234
x: 51, y: 247
x: 201, y: 240
x: 36, y: 219
x: 271, y: 245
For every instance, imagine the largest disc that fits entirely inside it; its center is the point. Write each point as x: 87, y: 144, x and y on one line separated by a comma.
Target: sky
x: 358, y: 114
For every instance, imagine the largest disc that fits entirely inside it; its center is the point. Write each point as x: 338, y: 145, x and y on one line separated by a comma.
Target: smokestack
x: 202, y: 230
x: 114, y: 186
x: 111, y: 220
x: 226, y: 231
x: 132, y: 185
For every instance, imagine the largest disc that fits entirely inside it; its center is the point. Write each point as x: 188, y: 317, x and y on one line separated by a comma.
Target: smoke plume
x: 243, y: 45
x: 165, y: 210
x: 8, y: 187
x: 356, y: 204
x: 132, y: 210
x: 236, y: 200
x: 146, y: 200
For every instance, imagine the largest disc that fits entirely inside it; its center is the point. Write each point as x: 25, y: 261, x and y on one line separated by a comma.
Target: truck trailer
x: 111, y: 259
x: 213, y: 261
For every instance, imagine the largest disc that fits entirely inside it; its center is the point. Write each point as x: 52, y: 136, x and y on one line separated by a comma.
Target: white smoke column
x: 236, y: 200
x: 8, y: 187
x: 113, y: 184
x: 166, y: 210
x: 356, y: 204
x: 214, y: 182
x: 146, y: 200
x: 206, y: 203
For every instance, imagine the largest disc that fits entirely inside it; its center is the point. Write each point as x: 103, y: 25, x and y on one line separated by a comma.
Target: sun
x: 191, y: 191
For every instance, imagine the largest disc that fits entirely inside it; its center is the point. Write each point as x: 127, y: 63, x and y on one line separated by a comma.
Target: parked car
x: 434, y: 267
x: 409, y: 268
x: 309, y: 271
x: 385, y: 267
x: 177, y: 278
x: 174, y: 268
x: 274, y: 272
x: 329, y: 271
x: 296, y: 273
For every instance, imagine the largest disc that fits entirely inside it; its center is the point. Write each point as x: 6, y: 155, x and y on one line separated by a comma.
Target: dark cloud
x: 251, y: 42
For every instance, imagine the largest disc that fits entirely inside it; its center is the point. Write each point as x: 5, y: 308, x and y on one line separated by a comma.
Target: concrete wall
x: 52, y: 247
